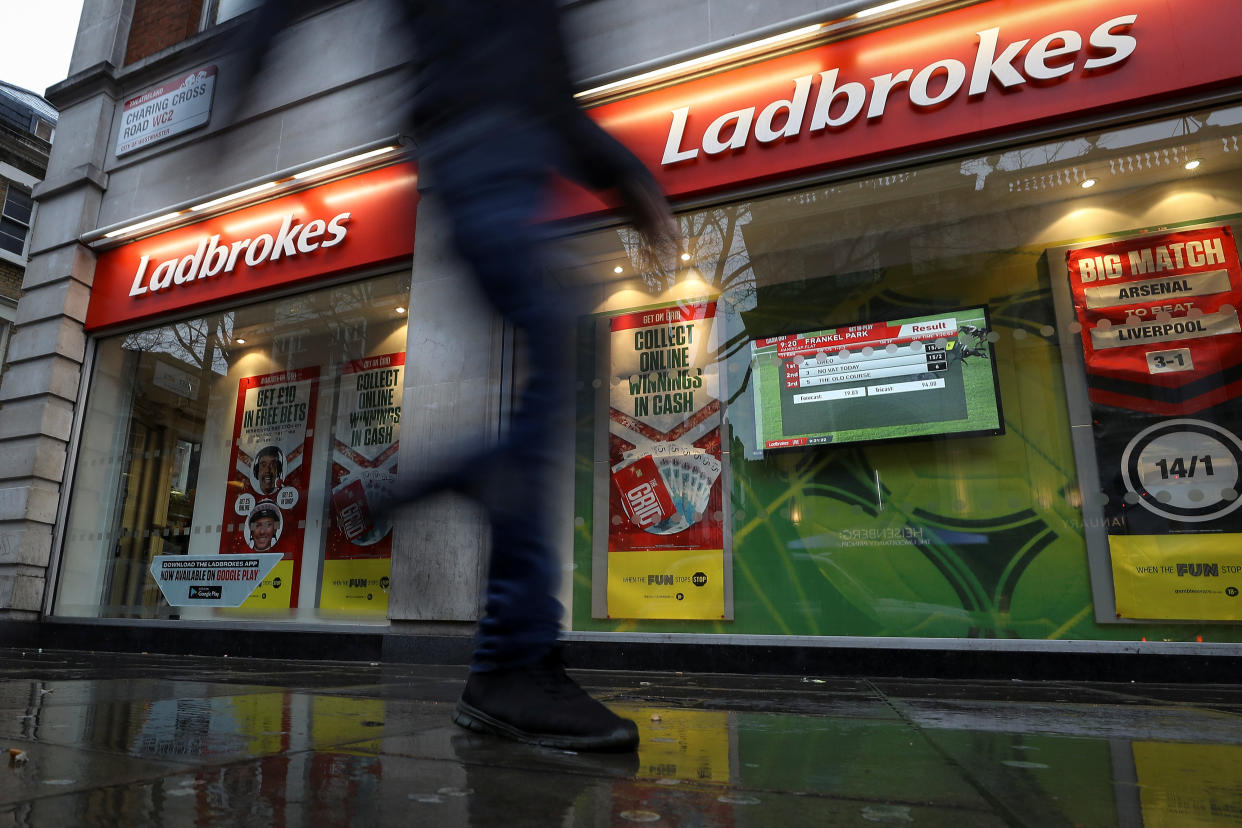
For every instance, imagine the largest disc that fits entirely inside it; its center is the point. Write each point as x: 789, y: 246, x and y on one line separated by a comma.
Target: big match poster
x: 665, y: 523
x: 1162, y: 350
x: 358, y: 554
x: 269, y: 465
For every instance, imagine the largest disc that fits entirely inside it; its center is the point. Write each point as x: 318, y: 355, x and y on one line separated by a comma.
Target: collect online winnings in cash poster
x: 665, y: 532
x: 357, y: 560
x: 265, y: 508
x: 1163, y: 355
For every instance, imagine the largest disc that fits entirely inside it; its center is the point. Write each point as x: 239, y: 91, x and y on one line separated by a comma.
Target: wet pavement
x: 108, y: 739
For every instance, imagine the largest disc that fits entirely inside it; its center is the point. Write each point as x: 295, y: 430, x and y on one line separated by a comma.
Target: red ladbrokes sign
x: 982, y: 69
x: 972, y: 71
x: 360, y: 221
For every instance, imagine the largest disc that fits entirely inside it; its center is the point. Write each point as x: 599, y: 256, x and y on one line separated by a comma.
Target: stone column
x: 454, y: 362
x: 41, y: 384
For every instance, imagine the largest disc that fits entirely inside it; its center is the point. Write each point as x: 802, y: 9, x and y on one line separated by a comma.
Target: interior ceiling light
x: 1088, y: 184
x: 240, y: 341
x: 344, y: 162
x: 1193, y: 165
x: 400, y: 309
x: 352, y: 160
x: 685, y: 257
x: 142, y: 225
x: 249, y: 191
x: 744, y: 50
x: 703, y: 62
x: 886, y: 7
x: 618, y: 269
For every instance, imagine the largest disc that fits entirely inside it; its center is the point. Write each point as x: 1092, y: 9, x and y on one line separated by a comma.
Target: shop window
x: 218, y: 11
x: 228, y: 9
x: 44, y: 129
x: 886, y: 406
x: 15, y: 216
x: 5, y: 326
x: 260, y: 433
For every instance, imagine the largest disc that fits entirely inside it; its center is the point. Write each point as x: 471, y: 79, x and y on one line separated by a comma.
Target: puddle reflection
x: 287, y: 758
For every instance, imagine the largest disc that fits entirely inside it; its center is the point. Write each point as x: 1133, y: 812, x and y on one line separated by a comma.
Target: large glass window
x: 16, y: 211
x: 230, y: 459
x: 228, y: 9
x: 989, y: 397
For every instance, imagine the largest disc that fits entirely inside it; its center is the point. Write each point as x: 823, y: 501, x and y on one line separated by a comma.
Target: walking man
x: 494, y: 118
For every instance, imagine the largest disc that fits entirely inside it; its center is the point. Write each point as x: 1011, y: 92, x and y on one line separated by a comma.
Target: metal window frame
x: 21, y: 257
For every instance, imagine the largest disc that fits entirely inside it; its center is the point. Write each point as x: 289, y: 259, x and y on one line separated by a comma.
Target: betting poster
x: 357, y: 558
x: 665, y: 520
x: 265, y: 507
x: 1162, y: 349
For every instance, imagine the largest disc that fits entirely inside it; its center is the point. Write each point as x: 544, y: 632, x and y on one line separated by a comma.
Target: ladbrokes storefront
x: 989, y: 392
x: 952, y: 353
x: 238, y: 427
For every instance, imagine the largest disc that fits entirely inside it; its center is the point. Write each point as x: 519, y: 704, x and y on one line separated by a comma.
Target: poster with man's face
x: 265, y: 507
x: 263, y: 527
x: 268, y: 470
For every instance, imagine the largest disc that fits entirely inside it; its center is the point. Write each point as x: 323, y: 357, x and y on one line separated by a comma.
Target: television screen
x: 922, y: 376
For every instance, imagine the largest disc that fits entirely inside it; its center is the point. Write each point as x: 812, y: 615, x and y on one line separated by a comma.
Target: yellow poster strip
x: 1188, y: 785
x: 357, y: 586
x: 1178, y: 577
x: 260, y: 721
x: 347, y: 720
x: 675, y: 743
x: 276, y: 590
x: 666, y: 583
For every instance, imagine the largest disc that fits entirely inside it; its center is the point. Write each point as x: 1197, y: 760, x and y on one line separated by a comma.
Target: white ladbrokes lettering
x: 837, y: 104
x: 211, y: 258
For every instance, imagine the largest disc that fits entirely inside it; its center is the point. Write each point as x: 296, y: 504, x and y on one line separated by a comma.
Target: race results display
x: 915, y: 377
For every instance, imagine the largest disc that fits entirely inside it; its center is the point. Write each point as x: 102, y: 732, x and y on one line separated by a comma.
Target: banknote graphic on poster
x: 1162, y: 349
x: 665, y: 531
x: 364, y: 468
x: 265, y: 507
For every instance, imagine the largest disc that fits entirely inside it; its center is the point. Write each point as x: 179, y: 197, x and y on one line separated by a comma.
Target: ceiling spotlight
x: 400, y: 309
x: 1194, y: 165
x: 240, y: 341
x: 618, y: 269
x: 1088, y: 184
x: 685, y: 257
x: 885, y: 7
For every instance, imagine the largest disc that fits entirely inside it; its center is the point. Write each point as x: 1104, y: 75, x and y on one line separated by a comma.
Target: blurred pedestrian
x: 494, y: 119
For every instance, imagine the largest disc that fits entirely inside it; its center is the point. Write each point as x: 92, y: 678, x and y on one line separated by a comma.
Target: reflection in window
x: 976, y: 536
x: 176, y: 422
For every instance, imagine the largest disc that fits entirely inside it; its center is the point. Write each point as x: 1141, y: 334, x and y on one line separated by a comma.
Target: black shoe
x: 540, y: 705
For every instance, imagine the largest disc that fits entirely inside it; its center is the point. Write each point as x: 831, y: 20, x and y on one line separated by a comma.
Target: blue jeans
x: 490, y: 173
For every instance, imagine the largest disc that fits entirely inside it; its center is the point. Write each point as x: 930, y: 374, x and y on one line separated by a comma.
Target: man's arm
x: 601, y: 162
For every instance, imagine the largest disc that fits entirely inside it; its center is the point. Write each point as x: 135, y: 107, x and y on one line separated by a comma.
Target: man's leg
x: 492, y: 185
